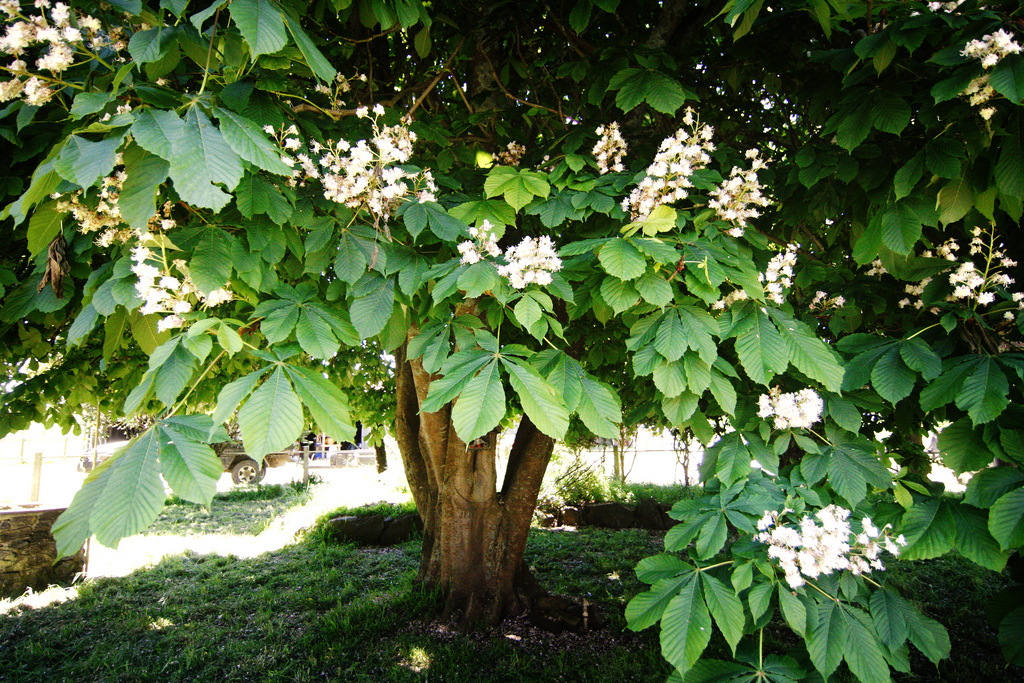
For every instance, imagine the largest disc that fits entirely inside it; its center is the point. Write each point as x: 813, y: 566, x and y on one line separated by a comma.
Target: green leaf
x: 84, y: 163
x: 901, y: 227
x: 654, y: 289
x: 891, y: 377
x: 928, y: 636
x: 271, y: 420
x: 955, y: 200
x: 249, y: 142
x: 685, y: 627
x: 146, y: 173
x: 622, y: 259
x: 1011, y: 636
x: 854, y: 128
x: 458, y: 370
x: 134, y: 493
x: 908, y: 176
x: 989, y: 485
x: 984, y: 392
x: 619, y: 294
x: 1007, y: 78
x: 72, y: 528
x: 83, y: 325
x: 945, y: 388
x: 889, y: 614
x: 370, y: 313
x: 599, y: 408
x: 852, y: 467
x: 539, y: 400
x: 519, y: 187
x: 973, y: 539
x: 151, y: 45
x: 929, y: 529
x: 725, y: 607
x: 793, y: 610
x: 190, y: 468
x: 828, y: 639
x: 733, y: 459
x: 760, y: 348
x: 174, y: 376
x: 663, y: 93
x: 210, y: 267
x: 807, y: 352
x: 1009, y: 170
x: 201, y: 161
x: 670, y: 378
x: 324, y: 401
x: 652, y: 569
x: 920, y: 357
x: 963, y: 447
x: 315, y: 59
x: 261, y: 24
x: 314, y: 334
x: 89, y: 103
x: 890, y: 113
x: 863, y: 651
x: 46, y: 223
x: 157, y: 131
x: 483, y: 277
x: 481, y: 405
x: 646, y: 609
x: 670, y: 339
x: 1006, y: 520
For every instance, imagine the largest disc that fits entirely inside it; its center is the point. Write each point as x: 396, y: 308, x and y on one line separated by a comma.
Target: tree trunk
x: 382, y: 457
x: 474, y: 534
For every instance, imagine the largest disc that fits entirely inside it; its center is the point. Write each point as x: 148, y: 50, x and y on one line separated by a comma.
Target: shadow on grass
x: 314, y: 611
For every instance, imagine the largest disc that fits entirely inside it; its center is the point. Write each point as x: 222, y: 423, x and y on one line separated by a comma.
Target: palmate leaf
x: 863, y: 651
x: 146, y: 173
x: 249, y: 141
x: 726, y: 609
x: 989, y: 485
x: 760, y: 348
x: 889, y: 614
x: 647, y: 608
x: 963, y: 447
x: 828, y: 639
x: 371, y: 312
x: 891, y: 377
x: 481, y: 405
x: 545, y: 409
x: 201, y: 161
x: 809, y: 354
x: 685, y: 627
x: 210, y: 267
x: 638, y: 85
x: 261, y: 24
x: 1006, y: 520
x: 928, y: 635
x: 984, y: 394
x: 191, y: 468
x: 84, y: 162
x: 650, y: 570
x: 271, y: 420
x: 324, y: 401
x: 315, y: 59
x: 973, y: 539
x: 72, y: 529
x: 459, y: 369
x: 134, y: 493
x: 622, y: 259
x: 930, y: 530
x: 599, y: 407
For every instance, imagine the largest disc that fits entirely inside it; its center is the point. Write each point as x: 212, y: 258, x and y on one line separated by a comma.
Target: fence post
x: 305, y: 464
x: 37, y: 476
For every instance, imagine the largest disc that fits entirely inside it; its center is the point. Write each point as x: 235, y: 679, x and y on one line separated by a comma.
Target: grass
x: 243, y: 511
x: 321, y: 611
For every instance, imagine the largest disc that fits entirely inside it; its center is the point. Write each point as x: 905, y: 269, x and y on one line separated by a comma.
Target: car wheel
x: 247, y: 472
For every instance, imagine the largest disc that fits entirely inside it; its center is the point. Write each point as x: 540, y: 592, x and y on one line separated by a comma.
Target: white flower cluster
x: 778, y: 277
x: 729, y: 299
x: 365, y: 175
x: 945, y: 6
x: 972, y: 284
x: 668, y: 178
x: 162, y: 292
x: 798, y: 410
x: 736, y: 199
x: 813, y: 549
x: 822, y: 302
x: 610, y: 149
x: 483, y: 244
x: 338, y: 87
x: 57, y: 33
x: 511, y: 155
x: 990, y: 50
x: 532, y: 260
x: 877, y: 269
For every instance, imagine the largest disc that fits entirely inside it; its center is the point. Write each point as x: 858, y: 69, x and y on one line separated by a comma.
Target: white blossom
x: 799, y: 410
x: 610, y: 149
x: 532, y: 260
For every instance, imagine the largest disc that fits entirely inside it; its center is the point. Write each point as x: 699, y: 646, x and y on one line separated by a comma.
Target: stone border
x: 645, y: 514
x: 28, y: 552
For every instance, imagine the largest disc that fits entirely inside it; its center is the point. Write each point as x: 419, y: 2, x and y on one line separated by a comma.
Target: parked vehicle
x: 243, y: 469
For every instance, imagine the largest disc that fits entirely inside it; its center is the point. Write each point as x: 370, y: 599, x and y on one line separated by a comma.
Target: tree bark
x: 382, y: 457
x: 474, y: 534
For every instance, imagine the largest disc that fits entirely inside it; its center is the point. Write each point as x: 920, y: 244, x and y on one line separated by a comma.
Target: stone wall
x: 28, y: 551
